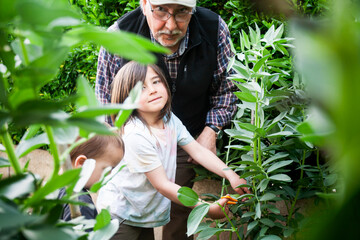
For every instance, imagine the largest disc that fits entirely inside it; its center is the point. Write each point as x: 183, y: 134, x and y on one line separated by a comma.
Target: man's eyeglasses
x: 162, y: 15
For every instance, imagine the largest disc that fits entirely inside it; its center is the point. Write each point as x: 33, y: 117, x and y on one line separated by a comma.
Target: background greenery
x: 271, y: 141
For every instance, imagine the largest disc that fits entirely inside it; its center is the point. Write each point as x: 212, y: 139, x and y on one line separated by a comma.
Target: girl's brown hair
x: 96, y: 146
x: 126, y: 79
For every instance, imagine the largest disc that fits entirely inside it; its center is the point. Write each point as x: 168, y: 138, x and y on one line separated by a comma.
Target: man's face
x: 170, y: 32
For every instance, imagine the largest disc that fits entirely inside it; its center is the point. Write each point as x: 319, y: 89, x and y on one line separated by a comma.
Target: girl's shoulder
x: 135, y: 127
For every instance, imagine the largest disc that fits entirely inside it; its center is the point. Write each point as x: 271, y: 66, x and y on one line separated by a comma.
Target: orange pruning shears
x: 231, y: 201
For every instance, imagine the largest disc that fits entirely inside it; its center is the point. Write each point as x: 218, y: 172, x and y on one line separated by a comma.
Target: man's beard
x: 176, y: 33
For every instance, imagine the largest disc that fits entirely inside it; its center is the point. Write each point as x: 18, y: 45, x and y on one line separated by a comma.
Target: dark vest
x: 192, y: 89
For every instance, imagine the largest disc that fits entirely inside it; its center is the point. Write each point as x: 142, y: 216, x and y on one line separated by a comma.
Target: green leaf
x: 278, y: 165
x: 245, y: 38
x: 41, y: 13
x: 17, y: 186
x: 195, y: 218
x: 247, y: 97
x: 53, y: 184
x: 12, y: 218
x: 4, y: 162
x: 258, y: 211
x: 86, y: 94
x: 91, y: 112
x: 26, y: 146
x: 247, y: 126
x: 187, y: 196
x: 102, y: 219
x: 208, y: 233
x: 252, y: 225
x: 105, y: 232
x: 280, y: 177
x: 271, y: 237
x: 263, y: 184
x: 46, y: 232
x: 240, y: 147
x: 248, y: 214
x: 124, y: 44
x: 90, y: 125
x: 260, y: 63
x: 267, y: 197
x: 280, y: 134
x: 267, y: 222
x: 275, y: 157
x: 133, y: 98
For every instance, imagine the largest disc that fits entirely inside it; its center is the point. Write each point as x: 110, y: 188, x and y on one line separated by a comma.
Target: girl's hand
x: 236, y: 181
x: 215, y: 211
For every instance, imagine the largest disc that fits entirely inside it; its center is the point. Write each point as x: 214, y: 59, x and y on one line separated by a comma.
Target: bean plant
x: 264, y: 145
x: 35, y: 38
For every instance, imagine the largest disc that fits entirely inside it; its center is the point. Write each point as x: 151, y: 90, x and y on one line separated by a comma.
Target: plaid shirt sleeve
x: 223, y: 100
x: 108, y: 66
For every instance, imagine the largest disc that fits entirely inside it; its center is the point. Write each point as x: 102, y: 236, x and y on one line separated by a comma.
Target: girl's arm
x: 210, y: 161
x: 163, y: 185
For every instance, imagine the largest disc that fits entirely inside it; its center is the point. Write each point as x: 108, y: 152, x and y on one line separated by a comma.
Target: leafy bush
x: 33, y: 44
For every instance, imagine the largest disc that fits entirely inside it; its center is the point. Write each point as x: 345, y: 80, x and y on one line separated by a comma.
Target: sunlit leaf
x: 53, y: 184
x: 280, y: 177
x: 187, y: 196
x: 86, y: 170
x: 102, y: 219
x: 17, y: 186
x: 278, y: 165
x: 267, y: 197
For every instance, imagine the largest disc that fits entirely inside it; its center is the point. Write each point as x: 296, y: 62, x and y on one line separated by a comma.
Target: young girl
x: 141, y: 193
x: 107, y: 151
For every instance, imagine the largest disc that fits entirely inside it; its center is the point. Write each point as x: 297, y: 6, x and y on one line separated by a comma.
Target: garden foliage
x: 35, y: 39
x: 47, y: 45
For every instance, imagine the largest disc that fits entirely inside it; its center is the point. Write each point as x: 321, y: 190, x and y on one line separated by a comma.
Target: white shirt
x: 129, y: 195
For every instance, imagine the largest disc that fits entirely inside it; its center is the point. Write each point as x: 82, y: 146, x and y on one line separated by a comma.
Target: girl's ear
x: 79, y: 161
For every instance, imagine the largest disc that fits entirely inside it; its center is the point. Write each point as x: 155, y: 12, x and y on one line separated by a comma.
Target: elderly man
x: 202, y: 97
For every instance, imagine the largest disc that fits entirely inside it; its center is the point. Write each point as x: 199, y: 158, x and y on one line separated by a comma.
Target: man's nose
x: 171, y: 23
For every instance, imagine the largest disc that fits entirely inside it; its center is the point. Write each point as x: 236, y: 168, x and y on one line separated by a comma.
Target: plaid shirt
x: 222, y: 101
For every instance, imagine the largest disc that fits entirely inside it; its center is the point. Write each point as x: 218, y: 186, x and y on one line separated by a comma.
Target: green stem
x: 320, y: 170
x: 54, y: 151
x: 23, y: 48
x: 10, y: 150
x: 298, y: 190
x: 234, y: 229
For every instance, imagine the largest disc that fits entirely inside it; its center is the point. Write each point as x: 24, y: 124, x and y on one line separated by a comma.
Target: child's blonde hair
x: 126, y: 79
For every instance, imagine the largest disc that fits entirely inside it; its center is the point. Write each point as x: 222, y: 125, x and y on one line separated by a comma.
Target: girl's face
x: 154, y: 94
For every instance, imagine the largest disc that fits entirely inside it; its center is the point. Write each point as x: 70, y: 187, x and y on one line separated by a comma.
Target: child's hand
x: 215, y: 211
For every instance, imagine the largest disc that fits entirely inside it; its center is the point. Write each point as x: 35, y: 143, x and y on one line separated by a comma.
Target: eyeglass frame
x: 169, y: 14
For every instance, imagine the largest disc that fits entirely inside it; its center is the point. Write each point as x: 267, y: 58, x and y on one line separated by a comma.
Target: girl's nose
x: 151, y: 89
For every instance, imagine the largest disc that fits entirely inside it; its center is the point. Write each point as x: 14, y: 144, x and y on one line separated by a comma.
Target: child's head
x: 130, y: 74
x: 106, y: 150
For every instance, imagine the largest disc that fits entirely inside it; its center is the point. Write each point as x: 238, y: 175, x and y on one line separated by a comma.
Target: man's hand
x: 207, y: 138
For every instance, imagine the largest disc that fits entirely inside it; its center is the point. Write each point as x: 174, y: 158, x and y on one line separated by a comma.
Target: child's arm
x: 163, y: 185
x: 210, y: 161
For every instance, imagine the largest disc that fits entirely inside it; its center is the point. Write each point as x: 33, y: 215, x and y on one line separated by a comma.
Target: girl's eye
x: 156, y: 82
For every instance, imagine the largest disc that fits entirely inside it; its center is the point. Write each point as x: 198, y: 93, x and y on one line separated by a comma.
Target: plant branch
x: 54, y: 151
x: 10, y: 150
x: 234, y: 229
